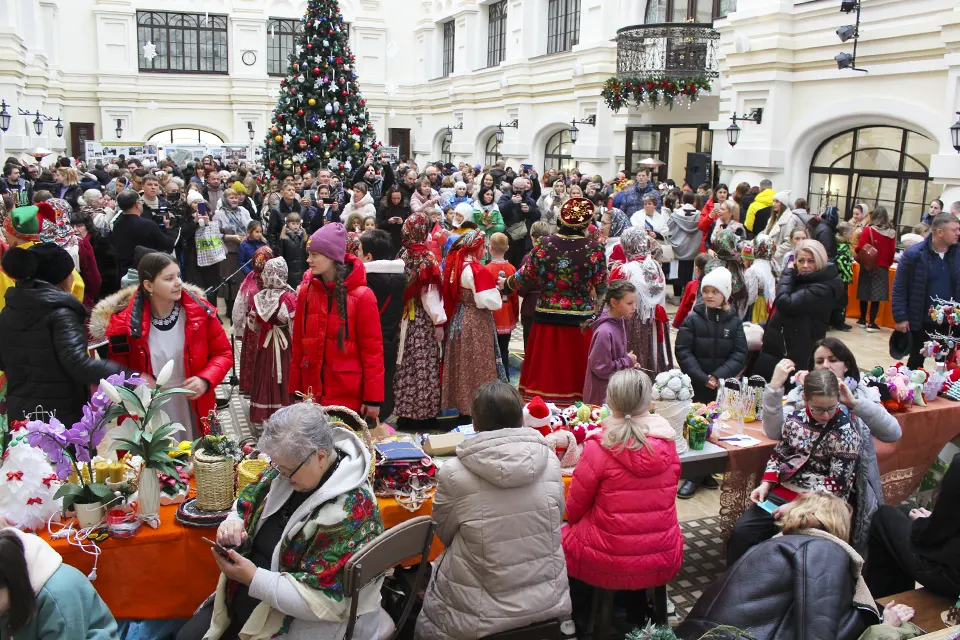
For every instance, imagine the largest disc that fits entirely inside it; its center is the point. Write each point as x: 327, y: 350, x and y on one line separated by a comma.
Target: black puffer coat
x: 795, y: 587
x: 44, y: 352
x: 801, y: 316
x: 711, y: 342
x: 386, y: 279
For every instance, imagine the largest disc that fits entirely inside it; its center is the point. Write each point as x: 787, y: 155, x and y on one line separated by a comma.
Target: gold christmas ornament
x: 356, y: 145
x: 311, y: 102
x: 279, y: 138
x: 287, y: 162
x: 326, y: 154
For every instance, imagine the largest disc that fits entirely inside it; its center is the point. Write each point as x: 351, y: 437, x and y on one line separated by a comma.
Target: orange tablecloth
x: 926, y: 430
x: 167, y: 573
x: 885, y: 319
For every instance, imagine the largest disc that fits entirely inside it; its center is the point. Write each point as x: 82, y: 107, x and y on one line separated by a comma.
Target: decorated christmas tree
x: 321, y: 120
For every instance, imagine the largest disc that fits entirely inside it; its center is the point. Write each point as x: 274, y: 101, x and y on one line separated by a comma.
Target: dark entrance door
x: 401, y: 138
x: 80, y: 132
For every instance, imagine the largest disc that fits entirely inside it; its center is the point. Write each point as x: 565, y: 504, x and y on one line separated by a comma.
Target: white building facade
x: 835, y: 136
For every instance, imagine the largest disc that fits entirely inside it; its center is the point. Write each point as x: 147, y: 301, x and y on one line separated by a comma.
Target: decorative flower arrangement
x: 672, y: 385
x: 702, y: 415
x: 215, y: 443
x: 621, y: 92
x: 72, y: 450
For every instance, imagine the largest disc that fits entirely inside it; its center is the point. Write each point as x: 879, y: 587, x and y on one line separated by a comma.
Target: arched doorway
x: 492, y: 153
x: 879, y: 166
x: 558, y: 153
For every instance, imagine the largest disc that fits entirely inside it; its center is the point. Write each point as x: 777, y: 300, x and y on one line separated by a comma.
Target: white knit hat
x: 784, y: 197
x: 464, y: 210
x: 194, y: 196
x: 721, y: 280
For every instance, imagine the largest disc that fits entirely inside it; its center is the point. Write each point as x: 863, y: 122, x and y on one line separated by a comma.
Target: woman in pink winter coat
x: 623, y: 532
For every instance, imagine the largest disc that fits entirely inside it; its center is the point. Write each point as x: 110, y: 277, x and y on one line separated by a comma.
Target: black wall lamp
x: 448, y: 136
x: 575, y: 133
x: 510, y: 125
x: 955, y: 134
x: 119, y: 128
x: 848, y: 32
x: 733, y: 131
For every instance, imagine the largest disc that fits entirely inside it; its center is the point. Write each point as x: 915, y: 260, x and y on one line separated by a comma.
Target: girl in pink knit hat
x: 337, y: 354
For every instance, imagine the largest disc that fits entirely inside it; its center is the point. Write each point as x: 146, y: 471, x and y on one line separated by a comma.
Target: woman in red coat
x: 164, y: 321
x: 623, y: 532
x: 337, y: 354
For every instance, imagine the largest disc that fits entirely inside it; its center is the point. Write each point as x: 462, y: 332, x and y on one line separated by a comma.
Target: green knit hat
x: 24, y: 222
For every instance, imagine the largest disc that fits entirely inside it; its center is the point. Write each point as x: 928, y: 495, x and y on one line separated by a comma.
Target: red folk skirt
x: 555, y: 363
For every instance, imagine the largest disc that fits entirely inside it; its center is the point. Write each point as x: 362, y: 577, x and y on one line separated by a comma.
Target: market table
x: 885, y: 319
x: 927, y: 604
x: 903, y: 464
x: 167, y: 573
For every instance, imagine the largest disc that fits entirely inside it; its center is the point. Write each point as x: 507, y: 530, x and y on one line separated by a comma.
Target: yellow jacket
x: 6, y: 281
x: 763, y: 200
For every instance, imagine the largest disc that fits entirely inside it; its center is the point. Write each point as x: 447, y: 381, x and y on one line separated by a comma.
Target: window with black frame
x: 558, y: 154
x: 184, y: 42
x: 446, y: 155
x: 281, y: 39
x: 702, y: 11
x: 497, y: 33
x: 449, y: 36
x: 563, y: 25
x: 492, y: 153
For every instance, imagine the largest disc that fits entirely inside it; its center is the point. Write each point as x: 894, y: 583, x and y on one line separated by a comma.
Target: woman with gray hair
x: 806, y: 295
x: 290, y: 535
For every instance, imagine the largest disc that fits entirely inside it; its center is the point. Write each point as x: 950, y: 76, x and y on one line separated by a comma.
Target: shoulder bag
x: 517, y: 231
x: 867, y: 255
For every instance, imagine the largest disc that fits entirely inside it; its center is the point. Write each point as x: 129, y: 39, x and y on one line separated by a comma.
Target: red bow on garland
x: 31, y: 501
x: 14, y: 475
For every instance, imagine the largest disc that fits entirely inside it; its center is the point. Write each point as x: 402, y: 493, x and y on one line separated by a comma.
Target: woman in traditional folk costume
x: 273, y: 310
x: 470, y: 296
x: 416, y: 384
x: 648, y: 331
x: 244, y: 318
x: 570, y: 272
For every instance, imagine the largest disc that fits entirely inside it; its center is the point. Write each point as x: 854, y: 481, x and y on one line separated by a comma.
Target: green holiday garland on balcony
x: 635, y: 91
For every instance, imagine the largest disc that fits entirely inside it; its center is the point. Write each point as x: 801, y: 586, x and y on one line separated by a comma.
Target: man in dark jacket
x: 19, y: 188
x: 826, y: 231
x: 131, y: 231
x: 926, y: 271
x: 102, y: 176
x: 794, y: 586
x: 385, y: 277
x: 155, y: 206
x: 518, y: 207
x: 631, y: 200
x: 377, y: 185
x: 44, y: 350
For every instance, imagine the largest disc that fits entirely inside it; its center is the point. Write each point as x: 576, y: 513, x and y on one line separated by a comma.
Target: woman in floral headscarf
x: 613, y: 223
x: 416, y: 384
x: 61, y: 231
x: 648, y: 334
x: 244, y: 317
x: 727, y: 248
x: 354, y: 245
x: 761, y: 280
x: 470, y: 296
x: 272, y: 315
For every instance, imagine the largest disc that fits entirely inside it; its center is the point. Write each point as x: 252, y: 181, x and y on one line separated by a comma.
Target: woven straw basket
x: 215, y: 481
x: 675, y: 412
x: 248, y: 471
x: 349, y: 419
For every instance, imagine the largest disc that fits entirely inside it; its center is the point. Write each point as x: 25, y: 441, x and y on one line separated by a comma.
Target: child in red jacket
x: 690, y: 291
x: 337, y: 344
x: 508, y: 315
x: 623, y: 532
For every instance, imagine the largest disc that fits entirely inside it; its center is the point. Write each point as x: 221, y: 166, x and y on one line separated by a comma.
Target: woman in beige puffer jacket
x: 498, y: 508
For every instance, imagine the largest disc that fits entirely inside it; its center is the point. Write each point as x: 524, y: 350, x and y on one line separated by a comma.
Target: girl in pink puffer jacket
x: 623, y: 532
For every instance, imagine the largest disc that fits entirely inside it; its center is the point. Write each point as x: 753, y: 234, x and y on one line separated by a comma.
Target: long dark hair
x: 150, y: 267
x: 842, y: 353
x: 340, y: 291
x: 15, y: 577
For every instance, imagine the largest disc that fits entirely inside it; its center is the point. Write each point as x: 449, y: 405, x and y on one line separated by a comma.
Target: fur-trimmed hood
x: 116, y: 303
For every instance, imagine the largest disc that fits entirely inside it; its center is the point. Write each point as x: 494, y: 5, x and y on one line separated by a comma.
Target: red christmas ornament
x: 332, y: 145
x: 315, y: 138
x: 339, y: 60
x: 293, y: 90
x: 303, y: 144
x: 273, y: 163
x: 300, y: 113
x: 355, y: 130
x: 333, y: 123
x: 303, y: 169
x: 309, y: 46
x: 362, y: 102
x: 340, y: 112
x: 280, y: 116
x: 343, y: 93
x: 330, y: 32
x: 273, y: 131
x: 316, y: 71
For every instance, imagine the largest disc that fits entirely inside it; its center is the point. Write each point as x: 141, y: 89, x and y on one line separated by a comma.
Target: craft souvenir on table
x: 953, y: 393
x: 215, y: 456
x: 27, y: 485
x: 404, y: 472
x: 917, y: 380
x: 564, y: 444
x: 190, y: 515
x: 537, y: 415
x: 672, y: 397
x: 755, y: 386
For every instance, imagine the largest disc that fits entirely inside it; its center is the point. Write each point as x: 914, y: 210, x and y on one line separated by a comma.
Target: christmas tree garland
x: 321, y: 120
x: 635, y: 91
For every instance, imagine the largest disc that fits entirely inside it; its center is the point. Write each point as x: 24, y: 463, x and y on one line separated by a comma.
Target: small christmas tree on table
x: 321, y: 120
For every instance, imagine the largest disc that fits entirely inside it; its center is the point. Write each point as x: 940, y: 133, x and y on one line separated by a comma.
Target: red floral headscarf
x: 420, y: 266
x: 470, y: 244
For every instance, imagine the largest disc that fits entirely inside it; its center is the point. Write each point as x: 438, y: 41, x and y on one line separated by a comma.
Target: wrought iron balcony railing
x: 668, y: 51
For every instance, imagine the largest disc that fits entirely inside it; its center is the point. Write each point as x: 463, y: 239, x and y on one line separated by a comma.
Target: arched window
x: 445, y: 154
x: 879, y: 166
x: 184, y: 136
x: 492, y: 152
x: 559, y: 152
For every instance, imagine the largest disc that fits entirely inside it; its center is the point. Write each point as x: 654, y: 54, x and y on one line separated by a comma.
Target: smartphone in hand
x: 220, y: 550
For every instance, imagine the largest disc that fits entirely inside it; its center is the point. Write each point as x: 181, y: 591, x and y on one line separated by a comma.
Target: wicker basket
x: 248, y: 471
x: 215, y: 481
x: 339, y: 416
x: 675, y: 412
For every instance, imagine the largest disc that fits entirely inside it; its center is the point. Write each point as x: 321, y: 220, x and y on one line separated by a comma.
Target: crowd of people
x: 395, y: 294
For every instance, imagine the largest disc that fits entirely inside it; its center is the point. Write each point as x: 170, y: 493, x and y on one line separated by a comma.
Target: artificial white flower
x: 111, y: 391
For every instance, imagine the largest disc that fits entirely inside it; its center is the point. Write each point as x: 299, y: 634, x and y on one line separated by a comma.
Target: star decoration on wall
x: 392, y: 114
x: 273, y: 93
x: 391, y: 88
x: 152, y: 105
x: 149, y: 51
